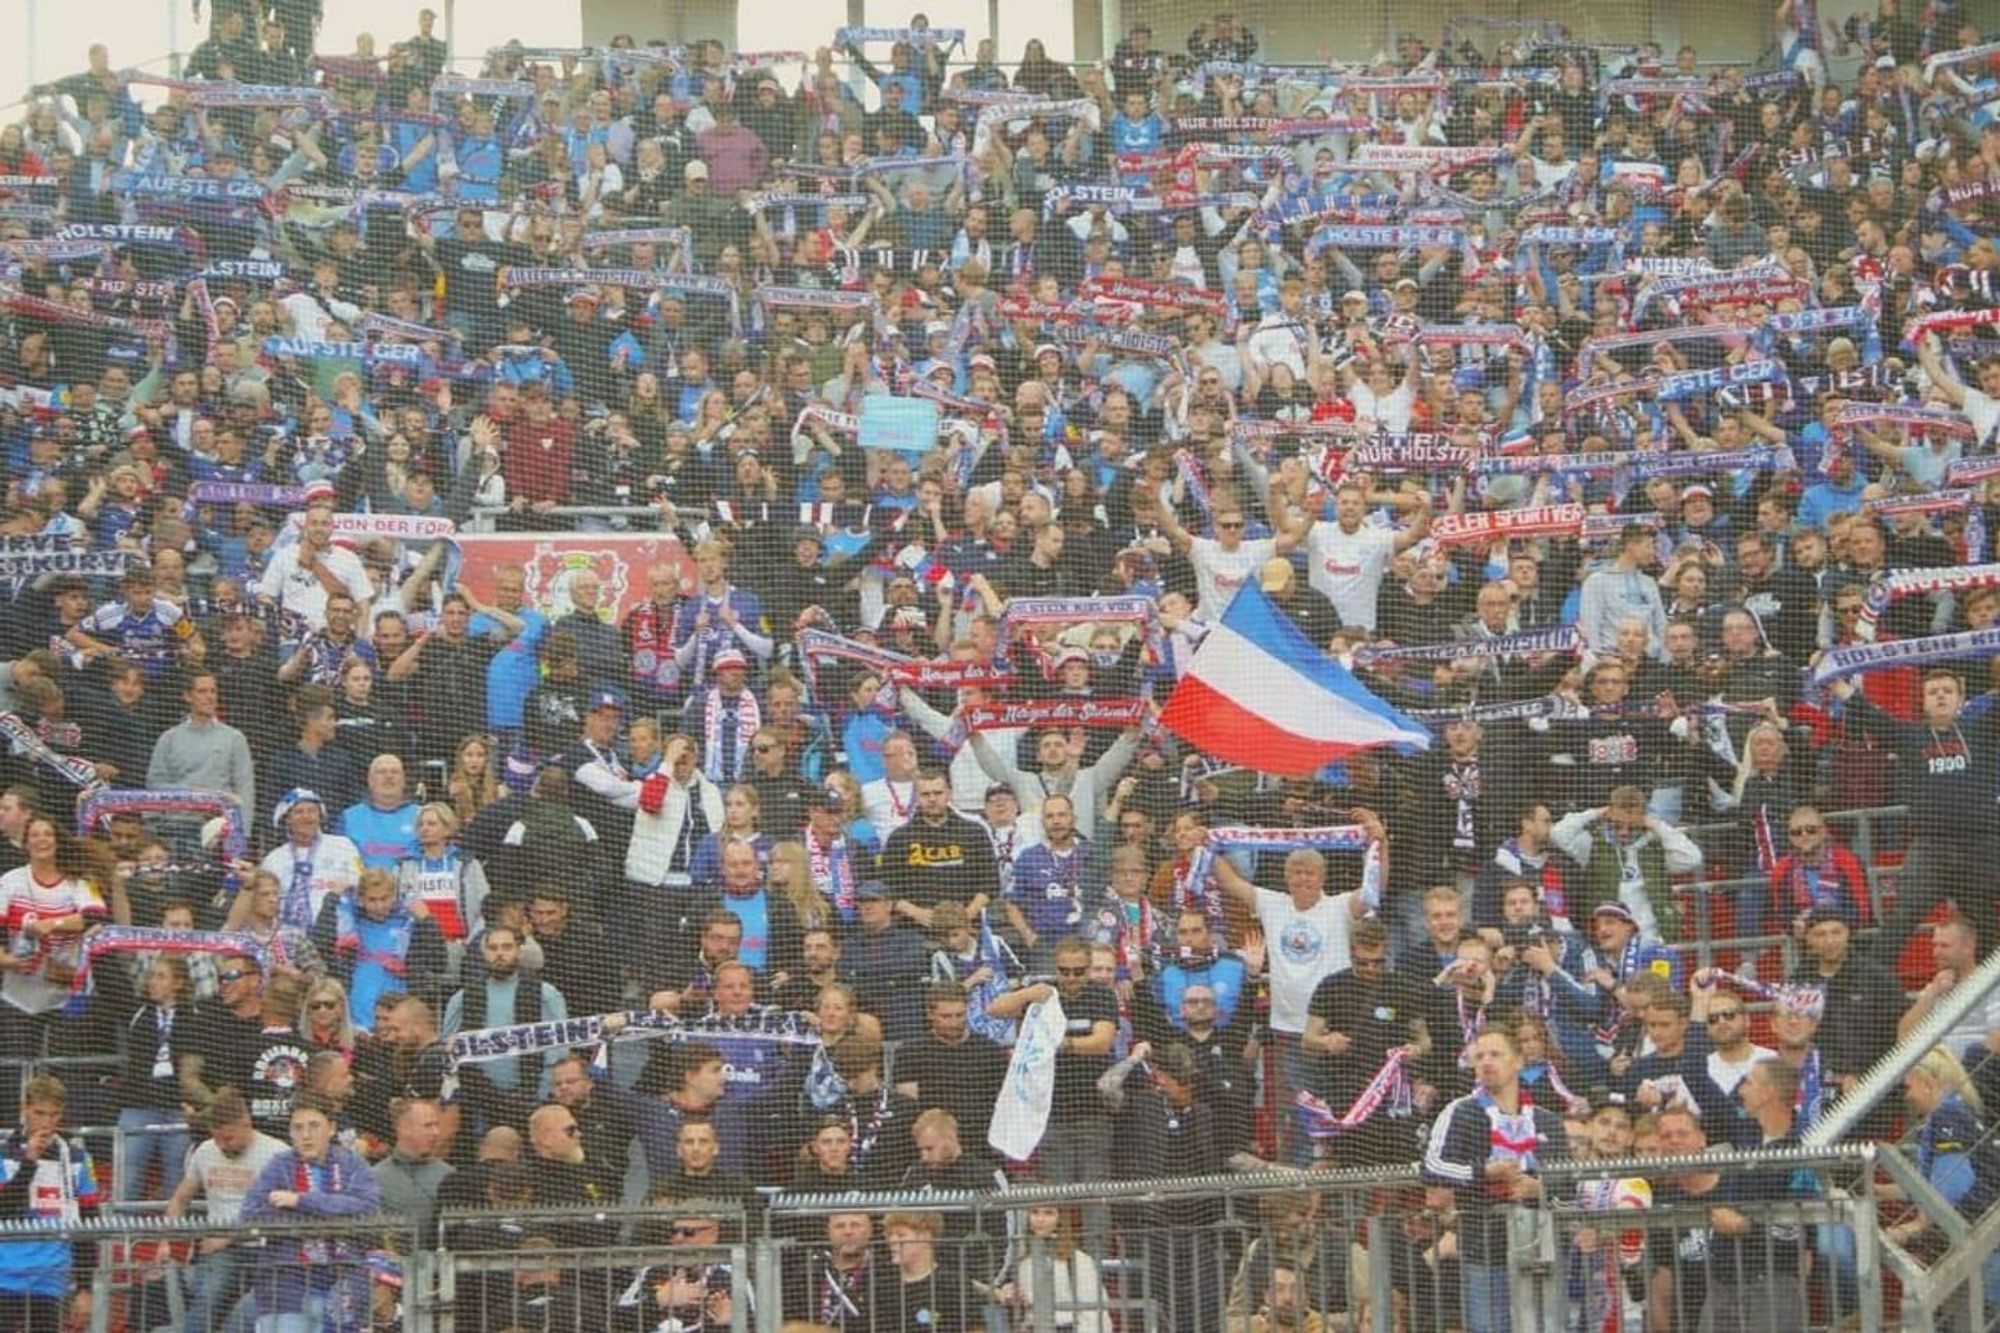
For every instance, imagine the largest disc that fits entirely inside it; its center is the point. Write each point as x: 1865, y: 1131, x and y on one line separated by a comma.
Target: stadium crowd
x: 1624, y: 421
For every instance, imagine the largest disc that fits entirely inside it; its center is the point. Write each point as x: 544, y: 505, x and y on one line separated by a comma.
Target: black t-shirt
x: 278, y: 1071
x: 1077, y: 1075
x: 964, y: 1079
x: 1376, y: 1015
x: 929, y: 1304
x: 1682, y: 1249
x: 472, y: 274
x: 228, y: 1045
x: 382, y: 1074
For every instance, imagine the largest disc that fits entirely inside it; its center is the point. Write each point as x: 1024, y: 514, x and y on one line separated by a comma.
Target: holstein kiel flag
x: 1259, y: 694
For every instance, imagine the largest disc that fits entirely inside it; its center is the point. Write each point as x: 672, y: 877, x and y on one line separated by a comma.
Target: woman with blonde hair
x: 1954, y: 1148
x: 853, y: 822
x: 741, y: 812
x: 1762, y: 795
x: 474, y: 784
x: 323, y: 1018
x: 789, y: 876
x: 718, y: 617
x: 449, y: 883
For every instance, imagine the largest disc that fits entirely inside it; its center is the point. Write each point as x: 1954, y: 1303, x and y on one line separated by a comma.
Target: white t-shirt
x: 225, y: 1180
x: 23, y: 898
x: 1726, y: 1076
x: 889, y: 805
x: 1218, y: 574
x: 1304, y: 949
x: 1281, y: 340
x: 1346, y: 568
x: 335, y: 869
x: 1393, y: 409
x: 300, y: 591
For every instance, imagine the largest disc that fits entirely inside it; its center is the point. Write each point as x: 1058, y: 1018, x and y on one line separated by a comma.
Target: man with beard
x: 566, y: 1176
x: 1356, y: 1018
x: 951, y: 1068
x: 938, y: 856
x: 607, y: 1130
x: 502, y: 1092
x: 1487, y: 1148
x: 1055, y: 880
x: 833, y: 1285
x: 403, y: 1060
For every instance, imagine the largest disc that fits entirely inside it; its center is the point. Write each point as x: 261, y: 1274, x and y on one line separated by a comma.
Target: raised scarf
x: 749, y: 720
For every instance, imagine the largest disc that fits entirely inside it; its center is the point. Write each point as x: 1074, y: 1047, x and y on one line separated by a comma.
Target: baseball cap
x: 829, y: 799
x: 871, y: 891
x: 697, y: 170
x: 1044, y: 348
x: 1619, y: 910
x: 729, y: 659
x: 806, y: 532
x: 1275, y: 574
x: 606, y: 699
x: 291, y: 801
x: 1065, y: 656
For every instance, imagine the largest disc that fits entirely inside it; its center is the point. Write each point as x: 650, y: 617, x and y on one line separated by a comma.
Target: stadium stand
x: 671, y: 688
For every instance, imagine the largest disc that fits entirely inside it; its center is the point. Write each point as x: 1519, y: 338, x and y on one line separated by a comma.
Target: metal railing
x: 1376, y: 1246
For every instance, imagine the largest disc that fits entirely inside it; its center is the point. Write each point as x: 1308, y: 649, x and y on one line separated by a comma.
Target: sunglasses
x: 1230, y: 527
x: 231, y: 976
x: 1797, y: 829
x: 1721, y: 1014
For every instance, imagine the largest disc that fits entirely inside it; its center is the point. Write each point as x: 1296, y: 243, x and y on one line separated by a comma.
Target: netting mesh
x: 653, y: 624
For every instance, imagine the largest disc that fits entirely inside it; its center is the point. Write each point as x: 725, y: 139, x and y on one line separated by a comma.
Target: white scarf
x: 749, y: 720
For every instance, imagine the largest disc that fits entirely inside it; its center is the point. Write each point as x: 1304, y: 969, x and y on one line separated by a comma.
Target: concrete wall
x: 1720, y: 29
x: 675, y: 20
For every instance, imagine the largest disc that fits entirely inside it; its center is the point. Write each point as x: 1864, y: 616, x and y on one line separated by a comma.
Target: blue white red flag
x: 1258, y: 694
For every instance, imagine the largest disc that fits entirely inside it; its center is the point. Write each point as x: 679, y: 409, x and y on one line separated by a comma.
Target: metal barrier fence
x: 1628, y: 1244
x: 687, y: 1265
x: 1377, y: 1249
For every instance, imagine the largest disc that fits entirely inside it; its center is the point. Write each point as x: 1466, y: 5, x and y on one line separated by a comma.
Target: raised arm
x: 1940, y: 374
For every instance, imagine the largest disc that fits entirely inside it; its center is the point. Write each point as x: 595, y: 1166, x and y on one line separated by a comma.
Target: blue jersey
x: 515, y: 670
x: 384, y: 836
x: 1051, y: 890
x: 148, y: 639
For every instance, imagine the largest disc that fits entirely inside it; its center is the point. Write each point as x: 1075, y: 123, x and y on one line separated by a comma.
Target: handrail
x: 1846, y: 1113
x: 1280, y: 1180
x: 1958, y: 1268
